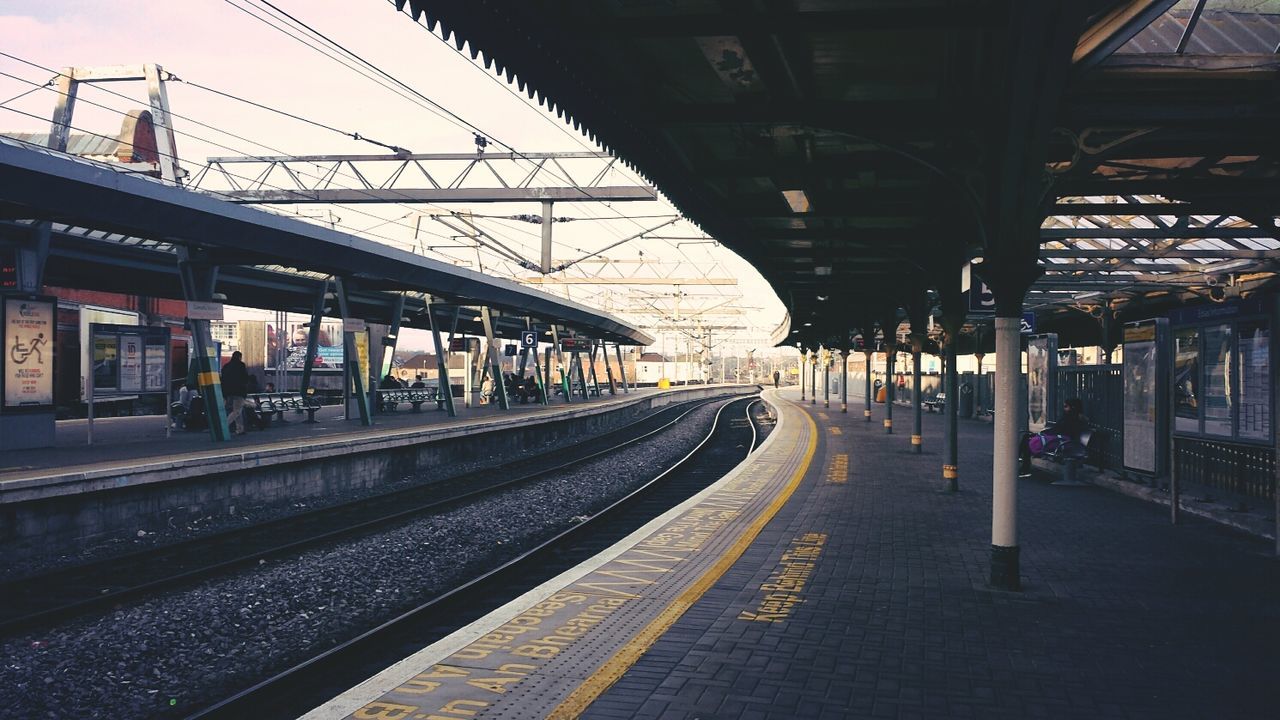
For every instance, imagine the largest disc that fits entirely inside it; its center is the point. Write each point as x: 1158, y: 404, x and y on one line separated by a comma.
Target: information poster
x: 106, y: 362
x: 130, y: 363
x: 28, y: 360
x: 1255, y: 380
x: 156, y: 359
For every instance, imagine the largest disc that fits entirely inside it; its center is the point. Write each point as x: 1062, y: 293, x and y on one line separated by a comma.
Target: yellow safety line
x: 614, y: 667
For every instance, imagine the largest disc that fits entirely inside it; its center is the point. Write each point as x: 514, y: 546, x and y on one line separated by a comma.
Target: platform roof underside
x: 859, y: 152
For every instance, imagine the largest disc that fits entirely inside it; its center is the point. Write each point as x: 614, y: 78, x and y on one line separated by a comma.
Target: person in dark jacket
x: 235, y: 386
x: 1067, y: 429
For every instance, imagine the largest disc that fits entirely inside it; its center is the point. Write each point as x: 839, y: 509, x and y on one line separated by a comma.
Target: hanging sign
x: 204, y: 310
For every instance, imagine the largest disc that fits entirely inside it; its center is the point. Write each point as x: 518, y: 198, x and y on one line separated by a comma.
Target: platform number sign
x: 980, y: 299
x: 528, y: 339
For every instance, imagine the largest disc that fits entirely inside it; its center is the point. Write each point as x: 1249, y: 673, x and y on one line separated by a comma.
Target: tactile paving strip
x: 553, y: 650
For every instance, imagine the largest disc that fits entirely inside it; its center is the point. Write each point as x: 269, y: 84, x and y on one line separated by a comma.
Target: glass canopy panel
x: 1209, y: 28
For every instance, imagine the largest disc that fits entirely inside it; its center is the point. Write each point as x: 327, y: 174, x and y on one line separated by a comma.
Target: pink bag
x: 1040, y: 443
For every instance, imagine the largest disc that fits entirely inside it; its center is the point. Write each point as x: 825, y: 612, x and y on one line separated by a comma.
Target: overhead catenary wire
x: 353, y: 135
x: 200, y: 123
x: 432, y: 103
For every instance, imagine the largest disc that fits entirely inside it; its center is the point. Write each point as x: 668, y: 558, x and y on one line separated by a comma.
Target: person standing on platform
x: 235, y: 386
x: 776, y: 377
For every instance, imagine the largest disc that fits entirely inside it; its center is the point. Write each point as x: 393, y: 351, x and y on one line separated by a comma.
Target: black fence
x: 1245, y: 470
x: 1101, y: 390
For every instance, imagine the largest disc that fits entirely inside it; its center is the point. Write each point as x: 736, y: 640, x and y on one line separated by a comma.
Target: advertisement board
x: 29, y: 332
x: 288, y: 345
x: 1145, y: 396
x: 1042, y: 366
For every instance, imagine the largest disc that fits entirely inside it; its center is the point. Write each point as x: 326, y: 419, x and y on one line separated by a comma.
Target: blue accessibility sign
x: 1028, y: 323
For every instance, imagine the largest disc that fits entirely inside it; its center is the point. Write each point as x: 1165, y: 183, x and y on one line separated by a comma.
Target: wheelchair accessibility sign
x: 528, y: 339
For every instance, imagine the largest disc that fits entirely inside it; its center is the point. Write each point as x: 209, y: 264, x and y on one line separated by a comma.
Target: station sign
x: 458, y: 345
x: 204, y: 310
x: 572, y: 343
x: 528, y: 339
x: 353, y: 325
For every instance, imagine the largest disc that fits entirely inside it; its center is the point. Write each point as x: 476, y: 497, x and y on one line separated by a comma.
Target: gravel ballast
x: 168, y: 655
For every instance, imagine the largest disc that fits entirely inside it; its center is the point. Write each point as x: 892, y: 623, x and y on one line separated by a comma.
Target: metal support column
x: 951, y: 465
x: 582, y: 375
x: 356, y: 372
x: 442, y: 364
x: 537, y: 369
x: 162, y: 121
x: 608, y: 368
x: 622, y: 368
x: 826, y: 379
x: 565, y: 381
x: 388, y: 350
x: 546, y: 373
x: 546, y: 236
x: 198, y: 280
x: 889, y: 357
x: 804, y: 362
x: 495, y: 359
x: 595, y: 379
x: 813, y: 378
x: 313, y: 337
x: 844, y: 381
x: 866, y: 355
x: 1004, y: 502
x: 917, y: 431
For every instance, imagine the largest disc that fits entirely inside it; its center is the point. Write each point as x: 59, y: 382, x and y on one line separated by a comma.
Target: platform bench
x: 268, y: 405
x: 389, y: 399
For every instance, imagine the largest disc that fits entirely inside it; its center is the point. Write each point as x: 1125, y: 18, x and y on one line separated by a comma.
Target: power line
x: 353, y: 135
x: 195, y: 121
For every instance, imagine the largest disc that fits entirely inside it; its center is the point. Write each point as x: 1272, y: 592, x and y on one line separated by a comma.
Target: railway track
x: 40, y: 600
x: 295, y: 690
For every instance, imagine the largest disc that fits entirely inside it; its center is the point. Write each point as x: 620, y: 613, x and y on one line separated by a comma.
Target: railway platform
x: 831, y: 576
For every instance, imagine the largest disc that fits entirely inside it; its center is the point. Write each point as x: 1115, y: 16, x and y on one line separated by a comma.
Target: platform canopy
x: 119, y: 232
x: 860, y: 152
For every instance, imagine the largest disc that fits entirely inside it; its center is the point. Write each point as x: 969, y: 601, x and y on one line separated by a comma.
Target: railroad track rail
x: 40, y: 600
x: 296, y: 690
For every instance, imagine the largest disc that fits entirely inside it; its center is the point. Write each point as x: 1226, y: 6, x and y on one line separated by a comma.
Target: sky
x: 225, y: 45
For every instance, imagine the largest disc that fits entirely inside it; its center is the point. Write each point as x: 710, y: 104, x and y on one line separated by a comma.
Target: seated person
x: 388, y: 383
x: 195, y: 418
x: 1065, y: 431
x: 418, y: 384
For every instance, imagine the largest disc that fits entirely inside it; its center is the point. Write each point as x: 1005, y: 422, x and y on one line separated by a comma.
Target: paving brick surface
x: 1122, y: 615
